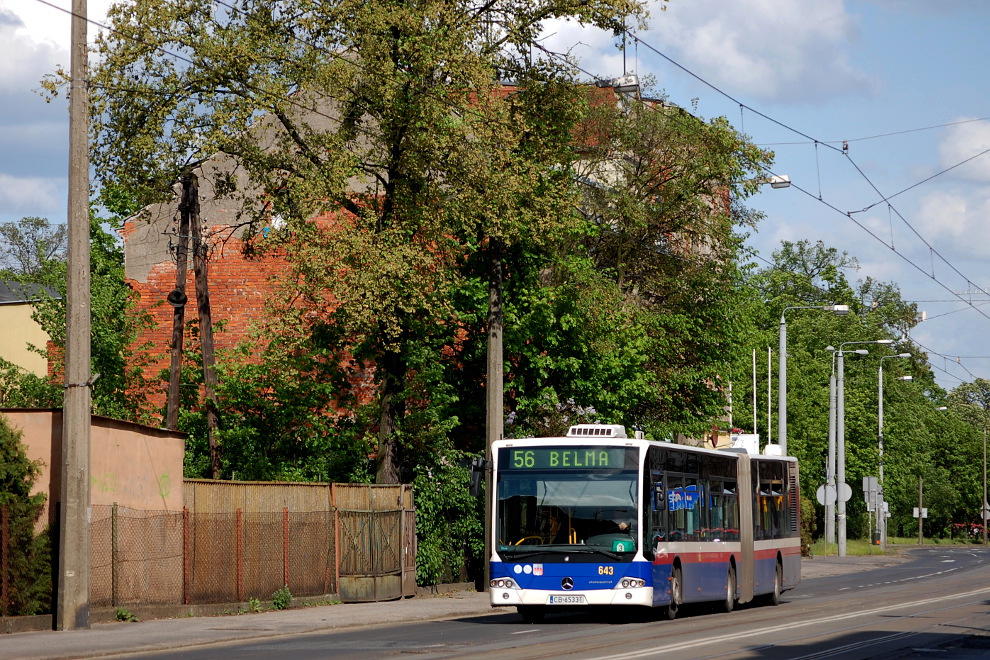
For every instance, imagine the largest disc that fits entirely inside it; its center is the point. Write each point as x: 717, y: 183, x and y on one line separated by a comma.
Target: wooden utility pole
x: 73, y: 509
x: 205, y: 323
x: 178, y: 301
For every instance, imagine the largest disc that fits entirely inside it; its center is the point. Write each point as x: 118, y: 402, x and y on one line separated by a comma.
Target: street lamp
x: 841, y: 442
x: 830, y: 459
x: 881, y: 515
x: 985, y: 483
x: 838, y: 310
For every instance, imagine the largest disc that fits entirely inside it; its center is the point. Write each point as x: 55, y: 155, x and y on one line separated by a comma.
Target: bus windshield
x: 548, y: 501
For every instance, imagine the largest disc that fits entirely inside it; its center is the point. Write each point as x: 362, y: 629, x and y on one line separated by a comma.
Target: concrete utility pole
x: 72, y: 590
x: 494, y: 399
x: 921, y: 511
x: 840, y: 455
x: 984, y: 479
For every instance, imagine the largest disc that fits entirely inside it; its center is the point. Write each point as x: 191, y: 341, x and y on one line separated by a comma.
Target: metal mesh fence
x: 212, y: 558
x: 311, y: 563
x: 161, y: 557
x: 236, y: 557
x: 262, y: 554
x: 136, y: 557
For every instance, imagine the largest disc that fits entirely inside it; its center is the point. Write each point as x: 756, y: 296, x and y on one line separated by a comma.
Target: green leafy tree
x: 28, y: 558
x: 29, y: 246
x: 664, y: 222
x: 385, y: 118
x: 969, y: 405
x: 630, y: 311
x: 121, y: 389
x: 915, y: 441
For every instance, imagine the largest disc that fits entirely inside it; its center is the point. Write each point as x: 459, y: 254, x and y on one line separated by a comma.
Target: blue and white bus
x: 598, y: 518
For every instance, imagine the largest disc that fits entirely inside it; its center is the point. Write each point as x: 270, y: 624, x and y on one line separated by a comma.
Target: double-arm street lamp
x: 838, y: 310
x: 881, y: 514
x: 841, y: 441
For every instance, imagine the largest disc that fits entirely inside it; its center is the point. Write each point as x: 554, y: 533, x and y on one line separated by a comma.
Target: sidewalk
x: 818, y: 566
x: 119, y: 637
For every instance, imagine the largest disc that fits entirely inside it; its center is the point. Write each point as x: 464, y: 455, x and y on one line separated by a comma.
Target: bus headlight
x: 632, y: 583
x: 503, y: 583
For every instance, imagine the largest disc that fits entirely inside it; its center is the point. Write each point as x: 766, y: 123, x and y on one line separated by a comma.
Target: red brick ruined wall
x: 239, y: 286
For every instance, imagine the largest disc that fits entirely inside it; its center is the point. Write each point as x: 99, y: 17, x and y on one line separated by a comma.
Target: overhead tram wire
x: 926, y: 180
x: 881, y: 135
x: 182, y: 58
x: 819, y: 199
x: 946, y: 359
x: 916, y: 233
x: 931, y: 276
x: 732, y: 98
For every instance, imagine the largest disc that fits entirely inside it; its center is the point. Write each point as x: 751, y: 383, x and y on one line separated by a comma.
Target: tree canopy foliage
x: 394, y: 148
x: 392, y: 152
x: 122, y: 387
x: 931, y: 438
x: 28, y: 558
x: 28, y: 246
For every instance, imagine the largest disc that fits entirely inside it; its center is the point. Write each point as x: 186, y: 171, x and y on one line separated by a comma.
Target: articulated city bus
x: 598, y: 518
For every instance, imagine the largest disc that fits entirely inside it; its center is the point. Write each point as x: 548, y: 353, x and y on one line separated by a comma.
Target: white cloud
x: 23, y: 57
x: 964, y: 141
x: 774, y: 49
x: 36, y: 196
x: 956, y: 222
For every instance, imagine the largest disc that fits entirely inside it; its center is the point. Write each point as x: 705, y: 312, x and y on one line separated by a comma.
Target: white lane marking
x: 791, y: 626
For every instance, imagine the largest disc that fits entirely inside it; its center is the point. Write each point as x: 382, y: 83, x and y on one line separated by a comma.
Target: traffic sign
x: 845, y: 492
x: 825, y: 494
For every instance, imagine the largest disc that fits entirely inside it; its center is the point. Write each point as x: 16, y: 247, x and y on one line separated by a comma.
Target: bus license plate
x: 567, y: 600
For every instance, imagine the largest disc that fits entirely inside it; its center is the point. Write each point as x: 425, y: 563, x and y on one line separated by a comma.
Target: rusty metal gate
x: 375, y: 541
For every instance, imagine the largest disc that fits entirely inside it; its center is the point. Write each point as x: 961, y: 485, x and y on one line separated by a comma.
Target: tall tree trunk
x: 393, y: 409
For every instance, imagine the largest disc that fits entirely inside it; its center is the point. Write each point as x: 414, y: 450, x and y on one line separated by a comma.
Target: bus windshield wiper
x: 589, y: 551
x: 569, y: 549
x: 523, y: 555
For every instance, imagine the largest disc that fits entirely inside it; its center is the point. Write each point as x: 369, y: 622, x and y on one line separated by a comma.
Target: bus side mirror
x: 477, y: 472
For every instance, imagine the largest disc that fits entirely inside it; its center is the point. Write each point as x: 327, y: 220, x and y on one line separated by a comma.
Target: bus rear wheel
x: 675, y: 595
x: 531, y: 613
x: 773, y: 598
x: 730, y: 591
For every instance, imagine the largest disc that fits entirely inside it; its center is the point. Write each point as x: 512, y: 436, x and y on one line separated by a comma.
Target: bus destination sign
x: 563, y: 458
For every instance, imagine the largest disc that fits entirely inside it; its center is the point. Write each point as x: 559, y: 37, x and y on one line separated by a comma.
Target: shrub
x: 123, y: 614
x: 282, y: 598
x: 29, y: 555
x: 808, y: 525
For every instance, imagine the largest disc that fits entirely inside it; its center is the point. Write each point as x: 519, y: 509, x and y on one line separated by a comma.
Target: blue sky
x: 902, y: 81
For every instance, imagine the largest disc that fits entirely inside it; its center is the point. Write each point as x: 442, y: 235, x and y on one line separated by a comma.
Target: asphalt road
x: 933, y: 602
